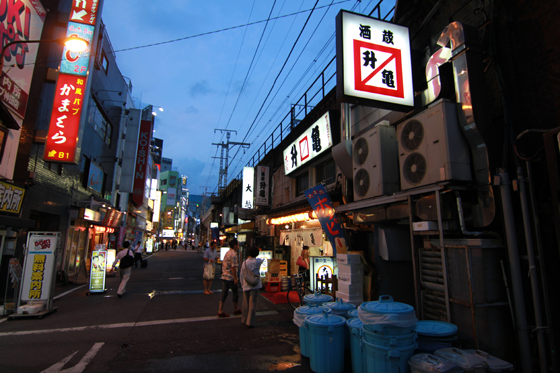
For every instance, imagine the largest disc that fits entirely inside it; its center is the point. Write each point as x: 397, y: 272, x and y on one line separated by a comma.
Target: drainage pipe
x: 532, y: 269
x: 462, y: 217
x: 515, y: 269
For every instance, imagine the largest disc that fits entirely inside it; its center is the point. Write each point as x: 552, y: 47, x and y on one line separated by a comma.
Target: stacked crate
x: 350, y: 278
x: 273, y: 281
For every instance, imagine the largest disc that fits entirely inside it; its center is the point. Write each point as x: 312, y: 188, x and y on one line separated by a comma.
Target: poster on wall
x: 322, y: 267
x: 265, y: 255
x: 40, y: 260
x: 98, y: 271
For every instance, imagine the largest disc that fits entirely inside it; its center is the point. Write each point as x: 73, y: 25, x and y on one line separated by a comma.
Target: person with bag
x: 126, y: 259
x: 209, y: 258
x: 251, y: 284
x: 303, y: 260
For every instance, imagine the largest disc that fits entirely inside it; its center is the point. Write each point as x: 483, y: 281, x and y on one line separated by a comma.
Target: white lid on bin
x: 431, y: 363
x: 465, y: 360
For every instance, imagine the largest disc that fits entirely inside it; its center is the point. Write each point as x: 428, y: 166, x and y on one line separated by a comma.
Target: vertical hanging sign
x: 248, y: 187
x: 320, y: 201
x: 262, y: 186
x: 141, y: 170
x: 64, y: 125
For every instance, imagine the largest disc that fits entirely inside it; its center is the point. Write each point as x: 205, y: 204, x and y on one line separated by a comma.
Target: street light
x: 160, y: 109
x: 73, y: 43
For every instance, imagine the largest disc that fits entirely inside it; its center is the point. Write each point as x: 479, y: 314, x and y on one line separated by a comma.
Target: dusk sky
x: 211, y: 64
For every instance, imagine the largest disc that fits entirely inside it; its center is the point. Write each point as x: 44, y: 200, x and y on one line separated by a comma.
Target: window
x: 104, y: 62
x: 326, y: 172
x: 302, y: 183
x: 99, y: 123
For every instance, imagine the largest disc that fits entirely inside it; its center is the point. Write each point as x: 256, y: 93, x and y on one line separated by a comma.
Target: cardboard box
x: 274, y: 265
x: 350, y: 269
x: 351, y: 277
x: 349, y: 258
x: 352, y: 289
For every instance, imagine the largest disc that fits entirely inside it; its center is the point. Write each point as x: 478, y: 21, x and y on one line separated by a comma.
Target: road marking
x: 128, y: 324
x: 68, y: 292
x: 78, y: 368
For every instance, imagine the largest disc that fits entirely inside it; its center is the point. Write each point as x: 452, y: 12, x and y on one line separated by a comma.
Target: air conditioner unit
x: 375, y: 162
x: 432, y: 148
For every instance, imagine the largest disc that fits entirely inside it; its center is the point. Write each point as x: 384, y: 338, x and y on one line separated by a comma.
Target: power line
x: 226, y: 29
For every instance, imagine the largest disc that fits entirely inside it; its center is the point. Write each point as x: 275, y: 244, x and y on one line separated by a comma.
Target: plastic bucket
x: 387, y: 317
x: 352, y: 313
x: 356, y: 350
x: 299, y: 319
x: 326, y: 342
x: 399, y: 340
x: 341, y: 308
x: 387, y: 359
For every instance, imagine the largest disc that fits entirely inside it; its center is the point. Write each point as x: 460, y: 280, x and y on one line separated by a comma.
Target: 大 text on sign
x: 248, y: 187
x: 373, y: 62
x: 314, y: 141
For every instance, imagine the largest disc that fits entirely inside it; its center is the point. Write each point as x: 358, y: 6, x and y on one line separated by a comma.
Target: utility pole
x: 222, y: 183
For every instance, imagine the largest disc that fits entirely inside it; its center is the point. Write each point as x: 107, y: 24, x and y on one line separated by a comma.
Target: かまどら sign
x: 39, y: 266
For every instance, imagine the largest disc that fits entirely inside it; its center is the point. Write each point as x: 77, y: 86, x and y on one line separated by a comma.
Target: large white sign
x: 157, y: 206
x: 39, y: 266
x: 248, y: 187
x: 314, y: 141
x: 167, y: 233
x: 373, y: 62
x: 262, y: 186
x: 171, y: 196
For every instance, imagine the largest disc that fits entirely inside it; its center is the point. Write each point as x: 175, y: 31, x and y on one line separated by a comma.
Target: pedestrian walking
x: 138, y: 254
x: 229, y: 279
x: 126, y: 259
x: 209, y: 258
x: 250, y: 289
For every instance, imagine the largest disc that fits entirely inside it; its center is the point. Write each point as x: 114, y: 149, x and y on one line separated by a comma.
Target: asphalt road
x: 164, y: 323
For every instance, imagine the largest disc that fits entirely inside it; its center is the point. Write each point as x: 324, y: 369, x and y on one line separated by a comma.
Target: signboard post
x: 39, y: 273
x: 98, y: 269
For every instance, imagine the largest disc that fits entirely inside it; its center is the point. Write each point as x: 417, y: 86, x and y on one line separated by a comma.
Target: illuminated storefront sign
x: 21, y: 20
x: 141, y: 170
x: 262, y: 186
x: 322, y: 267
x: 373, y: 62
x: 11, y: 198
x: 314, y: 141
x: 64, y: 126
x: 248, y: 187
x: 39, y: 266
x: 169, y: 233
x: 295, y: 218
x: 157, y: 206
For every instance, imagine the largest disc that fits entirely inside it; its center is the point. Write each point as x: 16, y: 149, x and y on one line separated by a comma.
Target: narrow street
x: 164, y: 323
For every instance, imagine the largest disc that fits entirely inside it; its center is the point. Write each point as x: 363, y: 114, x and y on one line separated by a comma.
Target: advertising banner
x: 171, y: 196
x: 39, y: 264
x: 320, y: 201
x: 262, y: 186
x: 322, y: 267
x: 95, y: 178
x: 98, y: 271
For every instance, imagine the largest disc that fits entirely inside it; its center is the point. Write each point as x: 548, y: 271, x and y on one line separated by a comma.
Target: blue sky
x: 198, y: 80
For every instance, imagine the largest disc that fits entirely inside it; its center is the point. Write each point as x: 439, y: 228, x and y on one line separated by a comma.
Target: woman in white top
x: 250, y: 293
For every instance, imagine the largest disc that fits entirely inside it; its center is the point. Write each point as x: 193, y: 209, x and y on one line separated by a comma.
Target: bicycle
x: 301, y: 287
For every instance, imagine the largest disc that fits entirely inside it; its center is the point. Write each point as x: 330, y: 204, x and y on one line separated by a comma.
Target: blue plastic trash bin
x: 387, y: 359
x: 317, y: 299
x: 352, y: 313
x: 434, y: 335
x: 341, y: 308
x: 398, y: 340
x: 326, y: 347
x: 387, y: 317
x: 299, y: 319
x: 356, y: 350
